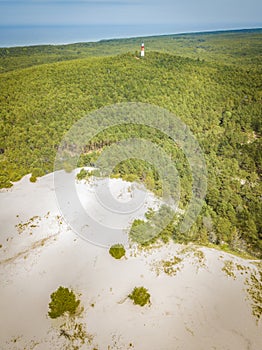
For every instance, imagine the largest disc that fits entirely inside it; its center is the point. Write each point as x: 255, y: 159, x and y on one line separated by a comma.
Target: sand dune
x: 199, y: 300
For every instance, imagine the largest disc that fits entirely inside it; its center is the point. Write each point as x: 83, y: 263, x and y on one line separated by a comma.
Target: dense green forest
x: 240, y: 47
x: 212, y: 82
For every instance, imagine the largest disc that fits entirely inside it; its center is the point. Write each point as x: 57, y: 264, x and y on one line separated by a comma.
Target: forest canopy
x: 212, y: 82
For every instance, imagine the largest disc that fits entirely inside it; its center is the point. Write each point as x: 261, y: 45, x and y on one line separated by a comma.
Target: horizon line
x: 207, y: 31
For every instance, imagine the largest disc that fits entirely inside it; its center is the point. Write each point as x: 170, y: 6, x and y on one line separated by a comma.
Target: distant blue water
x: 36, y: 35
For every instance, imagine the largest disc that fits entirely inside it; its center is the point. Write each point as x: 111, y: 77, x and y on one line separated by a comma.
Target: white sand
x: 198, y: 308
x: 102, y: 210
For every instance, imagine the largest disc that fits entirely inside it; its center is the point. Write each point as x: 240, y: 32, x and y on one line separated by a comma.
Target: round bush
x: 33, y: 178
x: 62, y: 300
x: 140, y: 296
x: 117, y: 251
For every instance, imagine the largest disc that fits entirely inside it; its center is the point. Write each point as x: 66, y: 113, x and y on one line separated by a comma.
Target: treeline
x: 238, y: 47
x: 220, y: 103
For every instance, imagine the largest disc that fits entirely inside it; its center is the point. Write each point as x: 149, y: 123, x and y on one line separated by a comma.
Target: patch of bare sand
x: 195, y: 303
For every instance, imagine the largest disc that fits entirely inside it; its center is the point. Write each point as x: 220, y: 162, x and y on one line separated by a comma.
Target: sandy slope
x: 197, y: 305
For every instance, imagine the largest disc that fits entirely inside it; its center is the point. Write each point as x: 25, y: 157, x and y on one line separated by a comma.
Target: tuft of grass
x: 228, y: 268
x: 75, y: 335
x: 170, y: 266
x: 254, y: 289
x: 201, y: 259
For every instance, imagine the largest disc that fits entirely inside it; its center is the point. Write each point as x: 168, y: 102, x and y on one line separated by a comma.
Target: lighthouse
x: 142, y: 50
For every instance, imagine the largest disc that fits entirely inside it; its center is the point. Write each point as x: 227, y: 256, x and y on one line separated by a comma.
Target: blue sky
x: 207, y: 13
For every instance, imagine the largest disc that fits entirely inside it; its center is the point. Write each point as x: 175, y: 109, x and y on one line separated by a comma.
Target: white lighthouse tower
x: 142, y: 50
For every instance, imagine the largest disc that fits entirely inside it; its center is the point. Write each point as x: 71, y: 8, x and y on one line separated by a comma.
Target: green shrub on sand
x: 117, y: 251
x: 140, y: 296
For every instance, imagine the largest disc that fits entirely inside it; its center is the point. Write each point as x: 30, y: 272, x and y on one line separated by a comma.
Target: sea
x: 26, y: 35
x: 39, y: 35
